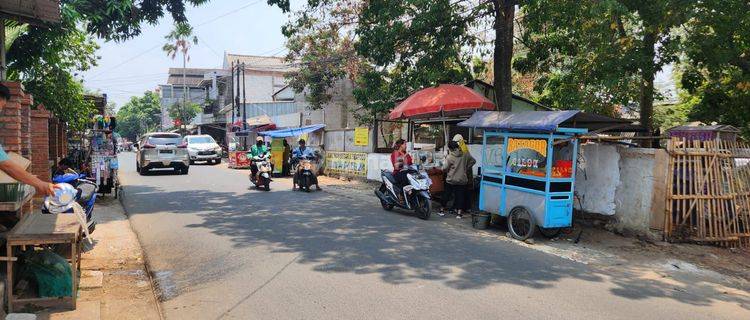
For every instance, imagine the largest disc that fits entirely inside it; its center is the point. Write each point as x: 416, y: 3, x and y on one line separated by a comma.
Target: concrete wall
x: 626, y: 183
x: 377, y: 162
x: 343, y: 140
x: 336, y: 114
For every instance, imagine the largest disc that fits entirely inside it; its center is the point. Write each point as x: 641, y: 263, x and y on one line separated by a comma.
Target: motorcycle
x: 263, y: 176
x: 75, y: 189
x: 305, y: 169
x: 415, y: 195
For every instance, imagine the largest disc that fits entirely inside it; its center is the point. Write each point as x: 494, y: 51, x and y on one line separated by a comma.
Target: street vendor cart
x: 529, y: 164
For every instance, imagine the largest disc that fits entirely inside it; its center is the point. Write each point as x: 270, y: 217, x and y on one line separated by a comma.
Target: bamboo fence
x: 708, y: 198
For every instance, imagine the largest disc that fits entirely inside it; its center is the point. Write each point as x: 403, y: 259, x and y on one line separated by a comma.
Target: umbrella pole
x: 445, y: 133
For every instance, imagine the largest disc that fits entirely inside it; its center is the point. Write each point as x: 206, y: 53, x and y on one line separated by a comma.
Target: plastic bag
x: 50, y: 271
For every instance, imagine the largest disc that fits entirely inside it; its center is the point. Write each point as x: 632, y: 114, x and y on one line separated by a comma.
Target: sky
x: 253, y: 27
x: 237, y: 26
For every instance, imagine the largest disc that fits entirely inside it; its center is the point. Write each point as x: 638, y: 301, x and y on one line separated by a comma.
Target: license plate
x: 165, y: 151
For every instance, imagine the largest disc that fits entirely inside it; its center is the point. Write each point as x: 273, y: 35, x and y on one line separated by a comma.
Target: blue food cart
x: 528, y: 166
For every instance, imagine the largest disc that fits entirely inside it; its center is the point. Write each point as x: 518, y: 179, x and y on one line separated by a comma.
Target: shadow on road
x: 334, y: 234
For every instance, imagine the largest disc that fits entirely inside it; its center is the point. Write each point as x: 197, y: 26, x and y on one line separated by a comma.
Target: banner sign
x: 361, y: 136
x: 277, y: 154
x: 346, y: 163
x: 527, y: 156
x: 238, y: 159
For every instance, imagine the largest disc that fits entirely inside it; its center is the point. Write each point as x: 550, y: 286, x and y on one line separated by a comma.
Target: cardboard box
x: 19, y: 160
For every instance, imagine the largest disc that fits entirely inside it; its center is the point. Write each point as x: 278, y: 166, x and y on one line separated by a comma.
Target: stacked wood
x: 709, y: 198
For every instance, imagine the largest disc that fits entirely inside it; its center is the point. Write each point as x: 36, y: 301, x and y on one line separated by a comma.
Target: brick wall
x: 10, y: 119
x: 26, y: 102
x: 53, y: 141
x: 40, y: 156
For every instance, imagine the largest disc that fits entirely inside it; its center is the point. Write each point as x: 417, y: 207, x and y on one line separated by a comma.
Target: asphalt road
x: 222, y: 251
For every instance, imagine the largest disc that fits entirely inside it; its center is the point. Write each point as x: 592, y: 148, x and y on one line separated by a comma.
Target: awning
x: 292, y: 132
x: 443, y: 100
x: 544, y: 121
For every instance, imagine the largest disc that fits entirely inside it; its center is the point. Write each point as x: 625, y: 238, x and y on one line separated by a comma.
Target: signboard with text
x: 361, y: 136
x: 527, y: 156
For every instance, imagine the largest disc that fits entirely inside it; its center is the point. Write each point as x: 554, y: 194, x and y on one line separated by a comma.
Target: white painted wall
x: 597, y: 177
x: 633, y: 196
x: 377, y: 162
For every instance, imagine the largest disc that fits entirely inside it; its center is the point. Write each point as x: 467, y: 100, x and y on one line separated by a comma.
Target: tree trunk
x: 648, y: 74
x: 505, y: 11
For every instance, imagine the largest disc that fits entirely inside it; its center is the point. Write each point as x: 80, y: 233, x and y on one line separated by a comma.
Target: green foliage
x: 61, y: 94
x: 140, y: 115
x: 185, y: 112
x: 179, y: 40
x: 599, y: 55
x: 322, y: 45
x: 122, y: 19
x: 717, y: 74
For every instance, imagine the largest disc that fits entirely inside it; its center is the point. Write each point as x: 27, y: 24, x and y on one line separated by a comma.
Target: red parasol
x: 446, y: 99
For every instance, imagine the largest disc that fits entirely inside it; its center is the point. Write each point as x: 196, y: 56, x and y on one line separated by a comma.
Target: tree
x: 184, y: 113
x: 717, y: 73
x: 321, y: 43
x: 179, y: 40
x: 600, y: 54
x: 139, y: 115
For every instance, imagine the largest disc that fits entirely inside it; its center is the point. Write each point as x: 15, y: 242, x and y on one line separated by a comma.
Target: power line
x: 156, y: 46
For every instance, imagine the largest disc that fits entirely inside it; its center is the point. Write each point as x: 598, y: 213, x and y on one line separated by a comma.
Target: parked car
x: 203, y: 148
x: 162, y: 150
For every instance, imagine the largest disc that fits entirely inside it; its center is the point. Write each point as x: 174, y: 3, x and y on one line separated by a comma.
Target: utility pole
x: 244, y: 101
x: 231, y: 85
x: 184, y: 91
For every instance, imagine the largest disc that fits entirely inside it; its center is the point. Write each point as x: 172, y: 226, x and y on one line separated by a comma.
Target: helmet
x: 259, y: 138
x: 301, y: 141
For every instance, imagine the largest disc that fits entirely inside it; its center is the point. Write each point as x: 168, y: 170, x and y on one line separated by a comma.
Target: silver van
x: 162, y: 150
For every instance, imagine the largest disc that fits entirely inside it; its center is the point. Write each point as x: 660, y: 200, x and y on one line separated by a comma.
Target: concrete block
x: 91, y: 279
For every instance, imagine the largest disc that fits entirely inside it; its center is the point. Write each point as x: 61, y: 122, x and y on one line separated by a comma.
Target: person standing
x: 456, y: 164
x: 15, y: 171
x: 458, y: 138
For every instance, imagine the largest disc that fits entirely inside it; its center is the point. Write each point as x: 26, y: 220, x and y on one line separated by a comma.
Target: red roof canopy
x: 443, y: 100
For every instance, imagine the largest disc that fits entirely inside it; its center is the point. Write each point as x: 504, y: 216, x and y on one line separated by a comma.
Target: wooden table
x: 45, y: 229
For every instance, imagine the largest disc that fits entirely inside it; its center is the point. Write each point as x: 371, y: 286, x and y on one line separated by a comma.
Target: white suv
x: 202, y: 148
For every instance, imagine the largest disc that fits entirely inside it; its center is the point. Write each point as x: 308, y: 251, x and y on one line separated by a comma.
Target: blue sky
x: 237, y: 26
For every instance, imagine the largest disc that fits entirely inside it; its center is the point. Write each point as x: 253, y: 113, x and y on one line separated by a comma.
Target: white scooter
x: 263, y: 179
x: 415, y: 195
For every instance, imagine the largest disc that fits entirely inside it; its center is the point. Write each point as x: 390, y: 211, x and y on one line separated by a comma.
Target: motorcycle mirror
x: 423, y: 158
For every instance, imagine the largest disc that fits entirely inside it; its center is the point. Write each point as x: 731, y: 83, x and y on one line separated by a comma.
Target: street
x: 219, y: 250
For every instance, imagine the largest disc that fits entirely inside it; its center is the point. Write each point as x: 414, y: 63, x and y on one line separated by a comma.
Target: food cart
x: 529, y: 163
x: 102, y: 154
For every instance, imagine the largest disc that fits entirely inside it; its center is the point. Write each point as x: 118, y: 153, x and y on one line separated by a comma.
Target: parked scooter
x: 81, y: 191
x: 263, y: 177
x: 305, y: 169
x: 414, y: 196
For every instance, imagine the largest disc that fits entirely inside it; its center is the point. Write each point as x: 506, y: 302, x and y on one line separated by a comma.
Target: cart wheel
x: 550, y: 233
x: 521, y: 223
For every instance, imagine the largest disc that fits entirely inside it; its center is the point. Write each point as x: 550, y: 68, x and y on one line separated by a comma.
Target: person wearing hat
x: 299, y: 153
x: 257, y: 150
x: 14, y: 170
x: 468, y: 197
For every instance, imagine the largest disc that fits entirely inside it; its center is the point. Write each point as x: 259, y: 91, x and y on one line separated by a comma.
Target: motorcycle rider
x: 299, y: 153
x: 400, y: 159
x: 257, y: 150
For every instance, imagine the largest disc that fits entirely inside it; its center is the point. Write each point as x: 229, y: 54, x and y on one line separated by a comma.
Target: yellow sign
x: 346, y: 163
x: 361, y: 136
x: 537, y: 145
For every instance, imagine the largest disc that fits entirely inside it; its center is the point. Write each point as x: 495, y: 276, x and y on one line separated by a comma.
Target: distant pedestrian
x: 456, y: 164
x: 286, y: 157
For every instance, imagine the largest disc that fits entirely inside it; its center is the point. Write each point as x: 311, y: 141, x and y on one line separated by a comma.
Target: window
x: 205, y: 139
x: 493, y: 155
x: 527, y: 156
x: 164, y: 139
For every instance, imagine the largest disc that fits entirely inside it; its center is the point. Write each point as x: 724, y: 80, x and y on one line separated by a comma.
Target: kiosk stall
x: 529, y: 164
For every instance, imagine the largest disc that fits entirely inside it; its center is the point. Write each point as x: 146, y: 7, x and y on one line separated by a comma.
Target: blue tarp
x: 291, y: 132
x: 545, y: 121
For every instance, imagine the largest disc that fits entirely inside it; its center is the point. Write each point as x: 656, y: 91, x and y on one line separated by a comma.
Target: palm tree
x: 180, y: 40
